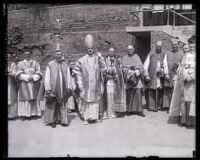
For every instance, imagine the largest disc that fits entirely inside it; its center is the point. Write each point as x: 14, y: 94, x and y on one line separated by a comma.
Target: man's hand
x: 147, y: 78
x: 189, y: 78
x: 9, y: 70
x: 82, y: 94
x: 67, y: 94
x: 48, y: 92
x: 99, y: 54
x: 193, y: 76
x: 137, y: 72
x: 130, y: 74
x: 190, y: 71
x: 167, y: 77
x: 30, y: 78
x: 173, y: 83
x: 9, y: 73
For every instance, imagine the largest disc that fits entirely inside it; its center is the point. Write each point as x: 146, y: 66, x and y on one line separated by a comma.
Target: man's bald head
x: 130, y: 50
x: 159, y: 46
x: 159, y: 43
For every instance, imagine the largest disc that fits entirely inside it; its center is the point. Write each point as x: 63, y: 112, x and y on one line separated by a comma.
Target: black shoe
x: 142, y: 114
x: 28, y: 118
x: 165, y: 109
x: 12, y: 119
x: 181, y: 124
x: 189, y: 126
x: 35, y: 117
x: 53, y: 125
x: 65, y: 125
x: 23, y: 118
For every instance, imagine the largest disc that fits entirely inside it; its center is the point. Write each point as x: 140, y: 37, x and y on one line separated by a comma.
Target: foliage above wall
x: 16, y: 48
x: 14, y: 39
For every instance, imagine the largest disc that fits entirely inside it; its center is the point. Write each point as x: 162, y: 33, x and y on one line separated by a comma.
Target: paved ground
x: 121, y: 137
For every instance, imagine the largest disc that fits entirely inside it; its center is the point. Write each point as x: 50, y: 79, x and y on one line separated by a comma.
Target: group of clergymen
x: 103, y: 88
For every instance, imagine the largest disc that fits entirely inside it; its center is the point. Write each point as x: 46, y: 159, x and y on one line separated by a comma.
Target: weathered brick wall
x: 166, y: 40
x: 104, y: 22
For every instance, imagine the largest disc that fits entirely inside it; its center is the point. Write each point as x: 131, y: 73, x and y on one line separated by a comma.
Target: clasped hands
x: 190, y: 75
x: 147, y: 78
x: 30, y: 78
x: 134, y: 72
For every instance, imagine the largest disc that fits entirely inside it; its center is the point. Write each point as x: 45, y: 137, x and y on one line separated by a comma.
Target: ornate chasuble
x: 89, y: 76
x: 28, y: 90
x: 117, y: 82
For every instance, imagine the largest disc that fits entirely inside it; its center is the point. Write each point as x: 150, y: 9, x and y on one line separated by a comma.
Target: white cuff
x: 175, y: 77
x: 23, y: 77
x: 137, y: 72
x: 36, y: 77
x: 130, y: 73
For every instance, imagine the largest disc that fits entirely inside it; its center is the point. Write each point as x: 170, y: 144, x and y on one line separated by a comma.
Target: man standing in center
x: 133, y: 73
x: 89, y: 75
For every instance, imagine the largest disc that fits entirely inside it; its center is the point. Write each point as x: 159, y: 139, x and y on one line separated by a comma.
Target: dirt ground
x: 120, y: 137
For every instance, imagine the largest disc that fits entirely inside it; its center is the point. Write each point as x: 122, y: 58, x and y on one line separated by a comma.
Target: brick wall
x: 165, y: 38
x: 104, y: 22
x: 74, y: 18
x: 155, y: 36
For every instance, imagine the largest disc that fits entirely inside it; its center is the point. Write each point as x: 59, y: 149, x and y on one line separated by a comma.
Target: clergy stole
x: 154, y: 57
x: 59, y: 85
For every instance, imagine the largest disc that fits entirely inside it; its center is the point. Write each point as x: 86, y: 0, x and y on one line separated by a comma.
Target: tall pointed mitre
x: 58, y: 48
x: 89, y: 41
